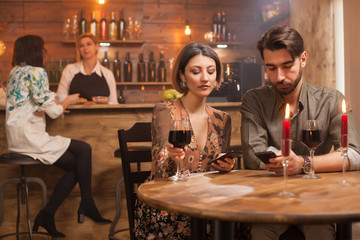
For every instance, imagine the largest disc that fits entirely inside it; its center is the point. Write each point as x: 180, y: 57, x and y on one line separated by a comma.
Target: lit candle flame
x: 343, y: 106
x: 228, y: 69
x: 287, y: 111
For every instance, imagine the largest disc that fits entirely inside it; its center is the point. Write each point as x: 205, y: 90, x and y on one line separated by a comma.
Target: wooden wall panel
x: 163, y: 25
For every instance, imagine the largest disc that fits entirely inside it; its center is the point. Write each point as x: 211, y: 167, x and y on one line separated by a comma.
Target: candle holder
x: 285, y: 152
x: 344, y: 157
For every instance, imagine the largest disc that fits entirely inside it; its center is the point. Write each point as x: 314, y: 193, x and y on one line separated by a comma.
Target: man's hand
x: 294, y: 167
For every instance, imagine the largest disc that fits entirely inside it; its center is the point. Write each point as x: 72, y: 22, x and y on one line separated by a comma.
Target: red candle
x: 344, y: 127
x: 285, y: 146
x: 286, y: 123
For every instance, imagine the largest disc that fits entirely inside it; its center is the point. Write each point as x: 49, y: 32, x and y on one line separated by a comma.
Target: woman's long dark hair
x: 28, y: 50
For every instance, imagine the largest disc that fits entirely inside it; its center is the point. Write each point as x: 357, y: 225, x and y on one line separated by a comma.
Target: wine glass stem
x: 344, y: 156
x: 178, y: 168
x: 312, y: 172
x: 285, y: 164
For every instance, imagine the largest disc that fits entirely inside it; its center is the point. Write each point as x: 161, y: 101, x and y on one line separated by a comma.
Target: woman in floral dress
x: 28, y: 99
x: 197, y: 71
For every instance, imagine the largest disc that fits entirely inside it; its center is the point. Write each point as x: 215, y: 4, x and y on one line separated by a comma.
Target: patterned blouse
x: 28, y: 98
x: 196, y: 159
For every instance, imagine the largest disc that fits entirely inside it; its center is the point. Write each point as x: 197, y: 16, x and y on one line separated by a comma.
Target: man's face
x: 284, y: 73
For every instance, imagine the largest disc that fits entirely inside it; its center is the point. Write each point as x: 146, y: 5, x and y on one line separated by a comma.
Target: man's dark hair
x: 28, y: 50
x: 279, y: 37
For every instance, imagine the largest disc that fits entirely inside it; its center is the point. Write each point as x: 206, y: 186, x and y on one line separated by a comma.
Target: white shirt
x: 72, y: 69
x: 28, y: 99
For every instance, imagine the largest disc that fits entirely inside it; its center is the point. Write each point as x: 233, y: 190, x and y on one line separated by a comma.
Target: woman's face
x: 88, y: 49
x: 200, y: 75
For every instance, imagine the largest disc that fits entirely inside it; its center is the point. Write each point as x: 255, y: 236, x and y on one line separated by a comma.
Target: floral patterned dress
x: 28, y: 98
x: 151, y: 223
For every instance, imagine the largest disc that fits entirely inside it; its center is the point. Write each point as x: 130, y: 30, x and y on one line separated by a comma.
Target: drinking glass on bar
x: 179, y: 136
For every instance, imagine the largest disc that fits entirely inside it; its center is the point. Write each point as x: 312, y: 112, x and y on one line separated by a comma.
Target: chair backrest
x: 139, y: 133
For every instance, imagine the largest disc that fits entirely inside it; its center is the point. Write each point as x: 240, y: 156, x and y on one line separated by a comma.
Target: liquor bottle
x: 141, y: 69
x: 103, y: 26
x: 82, y: 23
x: 117, y: 68
x: 106, y: 62
x: 127, y: 68
x: 112, y: 27
x: 162, y: 68
x: 51, y: 71
x: 151, y: 68
x: 215, y: 26
x: 121, y: 26
x: 219, y: 30
x: 93, y: 25
x: 59, y: 71
x: 223, y: 28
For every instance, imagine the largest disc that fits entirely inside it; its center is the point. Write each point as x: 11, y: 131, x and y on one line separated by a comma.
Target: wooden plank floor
x: 89, y: 230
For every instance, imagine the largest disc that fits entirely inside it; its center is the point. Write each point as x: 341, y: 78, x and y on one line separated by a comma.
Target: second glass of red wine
x: 179, y: 136
x: 311, y: 138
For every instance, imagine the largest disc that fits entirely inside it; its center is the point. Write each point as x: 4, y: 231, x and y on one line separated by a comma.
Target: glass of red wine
x: 311, y: 137
x: 179, y: 136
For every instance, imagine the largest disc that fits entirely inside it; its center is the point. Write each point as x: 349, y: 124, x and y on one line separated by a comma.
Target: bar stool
x: 22, y: 190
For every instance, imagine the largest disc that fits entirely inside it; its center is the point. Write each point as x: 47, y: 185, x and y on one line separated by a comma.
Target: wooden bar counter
x: 96, y: 125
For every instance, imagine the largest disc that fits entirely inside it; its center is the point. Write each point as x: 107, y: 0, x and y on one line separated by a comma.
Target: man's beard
x: 292, y: 87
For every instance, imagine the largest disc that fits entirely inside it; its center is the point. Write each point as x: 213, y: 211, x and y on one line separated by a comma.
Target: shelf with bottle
x: 225, y: 44
x: 108, y: 43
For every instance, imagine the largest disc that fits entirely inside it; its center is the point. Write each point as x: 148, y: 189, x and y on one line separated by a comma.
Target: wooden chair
x: 135, y: 148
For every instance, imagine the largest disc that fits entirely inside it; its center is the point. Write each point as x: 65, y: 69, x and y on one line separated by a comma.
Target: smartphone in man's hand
x: 265, y: 156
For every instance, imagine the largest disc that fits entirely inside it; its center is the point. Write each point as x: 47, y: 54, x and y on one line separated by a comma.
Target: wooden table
x: 251, y: 196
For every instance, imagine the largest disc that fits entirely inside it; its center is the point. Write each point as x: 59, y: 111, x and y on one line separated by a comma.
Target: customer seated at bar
x: 87, y: 77
x: 263, y: 109
x: 197, y: 71
x: 28, y: 99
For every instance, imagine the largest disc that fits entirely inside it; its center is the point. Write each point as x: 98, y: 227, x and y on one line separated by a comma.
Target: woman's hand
x: 225, y: 165
x: 176, y: 154
x: 294, y: 166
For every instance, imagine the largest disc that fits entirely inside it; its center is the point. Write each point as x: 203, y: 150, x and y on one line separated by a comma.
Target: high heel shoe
x: 88, y: 208
x: 47, y: 221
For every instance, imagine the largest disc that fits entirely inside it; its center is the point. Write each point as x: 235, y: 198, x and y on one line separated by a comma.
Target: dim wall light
x: 187, y: 28
x: 2, y: 47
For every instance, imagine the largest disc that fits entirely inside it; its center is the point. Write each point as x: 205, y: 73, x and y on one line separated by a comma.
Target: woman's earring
x: 215, y: 84
x: 183, y: 85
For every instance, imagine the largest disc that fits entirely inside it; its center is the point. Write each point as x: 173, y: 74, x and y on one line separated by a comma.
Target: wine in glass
x: 179, y: 136
x: 311, y: 138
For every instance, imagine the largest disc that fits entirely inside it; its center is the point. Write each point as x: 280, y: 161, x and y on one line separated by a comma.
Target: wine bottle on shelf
x: 59, y: 71
x: 219, y: 30
x: 93, y: 25
x: 215, y: 26
x: 151, y: 68
x: 106, y: 62
x: 103, y: 26
x: 141, y: 69
x: 127, y: 68
x: 117, y: 68
x: 112, y: 27
x: 121, y: 26
x: 82, y: 23
x: 223, y: 27
x: 51, y: 71
x: 162, y: 68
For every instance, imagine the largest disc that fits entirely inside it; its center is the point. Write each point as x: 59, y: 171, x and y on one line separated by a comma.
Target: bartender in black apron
x: 89, y: 85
